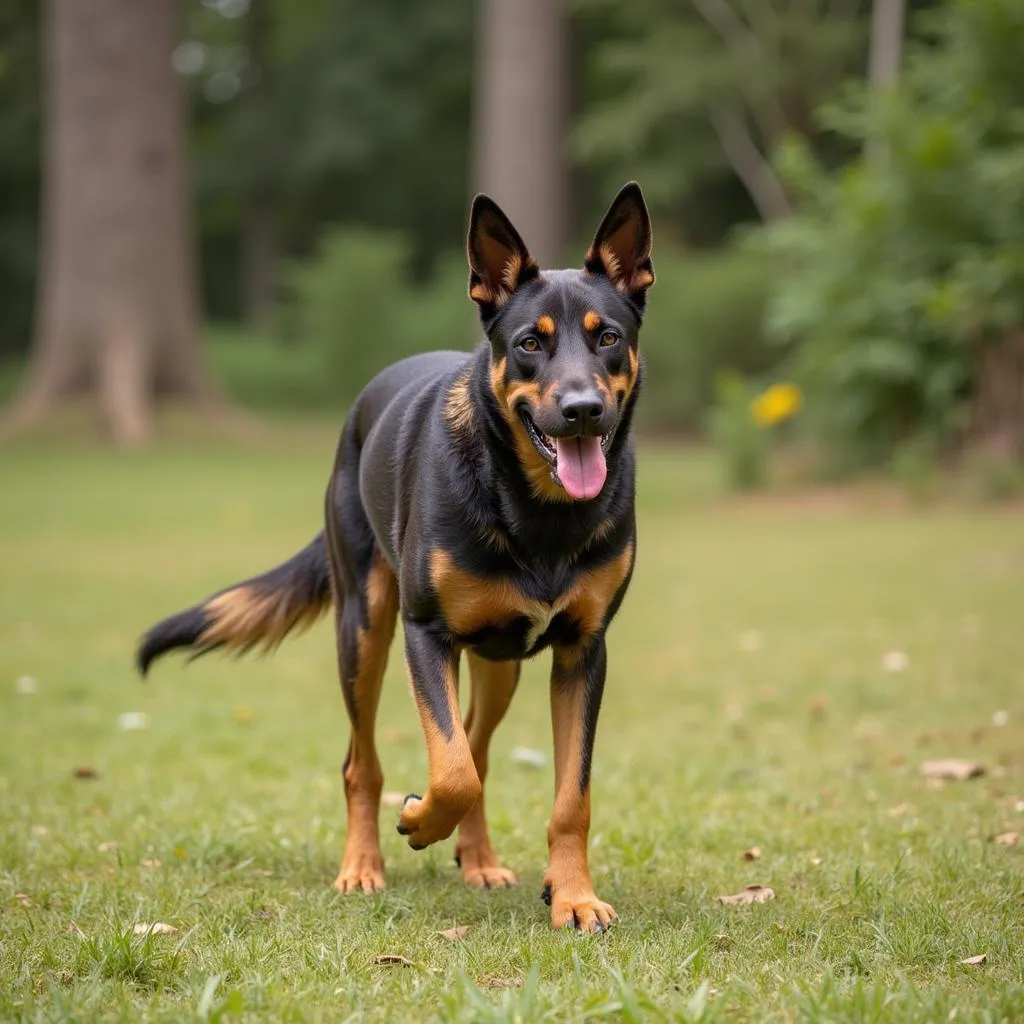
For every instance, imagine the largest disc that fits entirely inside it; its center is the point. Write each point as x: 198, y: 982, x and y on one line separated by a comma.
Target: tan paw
x: 425, y: 821
x: 361, y: 872
x: 481, y: 868
x: 581, y: 910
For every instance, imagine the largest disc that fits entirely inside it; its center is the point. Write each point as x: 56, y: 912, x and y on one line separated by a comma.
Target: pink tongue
x: 581, y: 467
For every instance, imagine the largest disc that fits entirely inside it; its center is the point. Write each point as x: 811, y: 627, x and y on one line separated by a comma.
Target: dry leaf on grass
x: 392, y: 960
x: 452, y: 934
x: 953, y: 769
x: 750, y: 894
x: 262, y: 872
x: 392, y: 798
x: 157, y: 928
x: 23, y: 899
x: 493, y: 981
x: 86, y: 771
x: 754, y: 853
x: 150, y: 862
x: 1007, y: 839
x: 975, y: 961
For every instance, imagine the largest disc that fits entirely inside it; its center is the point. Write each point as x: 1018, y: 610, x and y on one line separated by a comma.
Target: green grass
x: 231, y: 830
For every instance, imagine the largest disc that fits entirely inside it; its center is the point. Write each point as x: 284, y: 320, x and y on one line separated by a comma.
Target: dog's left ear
x: 621, y: 249
x: 499, y: 261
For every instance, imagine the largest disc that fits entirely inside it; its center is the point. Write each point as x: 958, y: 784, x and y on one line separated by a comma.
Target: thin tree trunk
x: 117, y: 314
x: 259, y: 228
x: 999, y: 395
x: 885, y: 55
x: 519, y: 119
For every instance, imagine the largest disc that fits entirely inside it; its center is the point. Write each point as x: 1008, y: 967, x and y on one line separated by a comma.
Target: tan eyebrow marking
x: 546, y: 326
x: 591, y: 321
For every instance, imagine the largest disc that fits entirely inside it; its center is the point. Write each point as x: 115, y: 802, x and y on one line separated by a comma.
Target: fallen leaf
x: 86, y: 771
x: 243, y: 715
x: 27, y: 686
x: 108, y: 847
x: 262, y: 872
x: 392, y: 798
x: 754, y: 853
x: 975, y: 961
x: 23, y: 899
x: 1000, y: 719
x: 157, y: 928
x: 132, y: 720
x: 150, y: 862
x: 953, y: 769
x: 750, y: 894
x: 895, y: 661
x: 452, y: 934
x: 816, y: 862
x: 1007, y: 839
x: 529, y: 756
x: 392, y: 960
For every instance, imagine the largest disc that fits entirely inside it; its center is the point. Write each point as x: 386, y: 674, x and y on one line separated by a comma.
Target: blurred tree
x: 904, y: 290
x: 19, y: 169
x: 688, y: 89
x: 519, y: 120
x: 117, y: 316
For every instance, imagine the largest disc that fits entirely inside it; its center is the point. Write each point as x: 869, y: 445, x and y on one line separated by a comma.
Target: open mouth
x: 577, y: 464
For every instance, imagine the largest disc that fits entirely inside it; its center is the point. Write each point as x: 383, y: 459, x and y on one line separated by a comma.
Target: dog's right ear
x: 499, y: 261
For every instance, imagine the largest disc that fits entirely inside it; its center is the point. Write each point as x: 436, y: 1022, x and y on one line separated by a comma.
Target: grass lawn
x: 747, y: 705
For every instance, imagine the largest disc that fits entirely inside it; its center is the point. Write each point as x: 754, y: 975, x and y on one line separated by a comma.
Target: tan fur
x: 591, y: 321
x: 546, y: 326
x: 534, y: 466
x: 242, y: 617
x: 493, y: 684
x: 458, y: 406
x: 470, y: 602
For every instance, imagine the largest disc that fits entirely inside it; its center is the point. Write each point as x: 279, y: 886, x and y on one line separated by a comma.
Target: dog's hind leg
x: 493, y: 684
x: 366, y: 610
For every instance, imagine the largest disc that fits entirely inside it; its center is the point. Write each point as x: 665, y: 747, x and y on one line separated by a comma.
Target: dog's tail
x: 259, y: 612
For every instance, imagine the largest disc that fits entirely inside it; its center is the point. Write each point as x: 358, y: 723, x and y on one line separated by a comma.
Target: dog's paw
x: 580, y: 910
x: 481, y: 868
x: 424, y: 822
x: 361, y: 872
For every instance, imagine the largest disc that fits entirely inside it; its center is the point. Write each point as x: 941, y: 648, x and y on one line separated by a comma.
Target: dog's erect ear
x: 621, y: 249
x: 499, y: 262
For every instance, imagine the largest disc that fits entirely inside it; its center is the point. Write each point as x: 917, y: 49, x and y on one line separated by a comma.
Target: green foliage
x: 900, y: 267
x: 354, y: 305
x: 741, y: 443
x: 704, y: 315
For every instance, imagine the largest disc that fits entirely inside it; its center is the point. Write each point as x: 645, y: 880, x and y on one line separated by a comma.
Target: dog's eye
x: 530, y: 345
x: 608, y: 338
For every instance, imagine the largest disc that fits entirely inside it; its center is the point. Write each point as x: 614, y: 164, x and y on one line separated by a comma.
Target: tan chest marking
x: 470, y: 602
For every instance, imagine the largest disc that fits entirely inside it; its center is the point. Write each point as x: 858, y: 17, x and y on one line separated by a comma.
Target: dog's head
x: 564, y: 355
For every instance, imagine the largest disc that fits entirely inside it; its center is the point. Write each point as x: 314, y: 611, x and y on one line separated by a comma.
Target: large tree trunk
x: 519, y: 120
x: 117, y: 317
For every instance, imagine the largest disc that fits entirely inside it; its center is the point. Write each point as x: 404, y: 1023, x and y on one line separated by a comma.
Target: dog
x: 488, y: 498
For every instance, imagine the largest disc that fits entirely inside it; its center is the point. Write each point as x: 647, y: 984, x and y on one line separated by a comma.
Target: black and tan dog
x: 488, y: 498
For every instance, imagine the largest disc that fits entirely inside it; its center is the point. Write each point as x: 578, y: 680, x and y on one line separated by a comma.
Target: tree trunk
x: 117, y: 317
x: 519, y: 119
x: 999, y: 395
x: 885, y: 55
x: 259, y: 226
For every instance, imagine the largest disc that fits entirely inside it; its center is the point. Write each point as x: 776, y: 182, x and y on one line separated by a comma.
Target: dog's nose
x: 582, y: 408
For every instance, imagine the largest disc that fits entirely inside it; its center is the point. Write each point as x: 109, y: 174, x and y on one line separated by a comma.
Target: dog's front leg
x: 453, y: 785
x: 577, y: 684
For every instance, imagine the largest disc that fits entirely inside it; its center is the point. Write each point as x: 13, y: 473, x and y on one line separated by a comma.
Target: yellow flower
x: 779, y: 402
